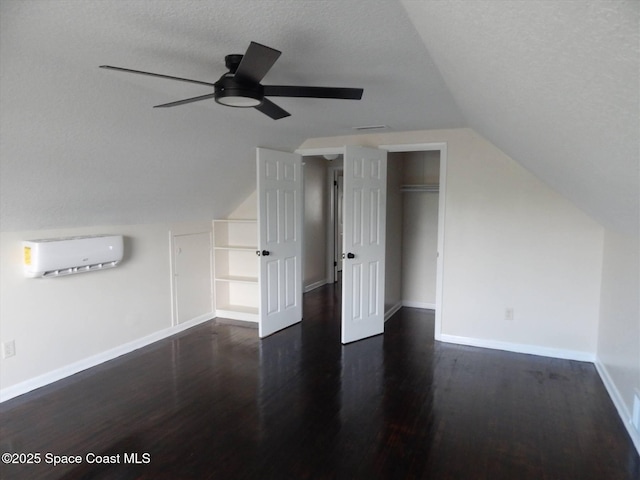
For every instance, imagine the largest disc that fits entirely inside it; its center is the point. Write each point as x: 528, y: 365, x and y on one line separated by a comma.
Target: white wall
x: 247, y: 209
x: 63, y: 325
x: 619, y: 332
x: 315, y: 221
x: 393, y: 246
x: 510, y: 241
x: 419, y: 249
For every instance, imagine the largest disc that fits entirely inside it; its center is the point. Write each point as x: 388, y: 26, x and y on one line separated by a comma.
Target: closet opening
x: 412, y: 229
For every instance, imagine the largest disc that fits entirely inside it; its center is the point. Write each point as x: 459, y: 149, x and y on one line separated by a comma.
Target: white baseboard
x: 389, y: 313
x: 621, y: 407
x: 315, y: 285
x: 423, y: 305
x: 519, y: 348
x: 76, y: 367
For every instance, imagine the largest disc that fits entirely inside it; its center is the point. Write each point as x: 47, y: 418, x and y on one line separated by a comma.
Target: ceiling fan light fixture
x: 238, y: 101
x: 235, y: 94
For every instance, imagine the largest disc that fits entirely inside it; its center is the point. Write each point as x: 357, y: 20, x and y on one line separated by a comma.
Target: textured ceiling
x: 83, y: 146
x: 554, y: 84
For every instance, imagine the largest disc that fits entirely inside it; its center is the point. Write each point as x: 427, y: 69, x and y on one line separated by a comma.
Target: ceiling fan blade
x: 256, y: 62
x: 272, y: 110
x: 128, y: 70
x: 186, y: 100
x: 312, y: 92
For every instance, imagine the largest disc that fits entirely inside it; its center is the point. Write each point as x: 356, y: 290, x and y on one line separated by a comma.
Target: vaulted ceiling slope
x: 554, y: 84
x: 83, y: 146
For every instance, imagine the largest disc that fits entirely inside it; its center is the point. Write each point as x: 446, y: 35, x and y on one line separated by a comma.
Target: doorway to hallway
x: 414, y: 231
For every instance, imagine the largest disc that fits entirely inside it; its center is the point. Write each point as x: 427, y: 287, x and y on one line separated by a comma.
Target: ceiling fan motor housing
x: 232, y: 61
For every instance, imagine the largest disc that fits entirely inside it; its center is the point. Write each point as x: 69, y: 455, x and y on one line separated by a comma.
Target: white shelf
x: 236, y: 269
x: 236, y: 220
x: 239, y: 308
x: 251, y: 248
x: 238, y: 312
x: 236, y: 278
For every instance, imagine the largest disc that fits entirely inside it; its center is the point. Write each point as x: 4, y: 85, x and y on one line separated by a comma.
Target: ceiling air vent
x: 371, y: 127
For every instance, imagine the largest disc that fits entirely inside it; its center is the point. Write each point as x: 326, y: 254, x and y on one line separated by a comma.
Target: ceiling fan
x: 241, y: 87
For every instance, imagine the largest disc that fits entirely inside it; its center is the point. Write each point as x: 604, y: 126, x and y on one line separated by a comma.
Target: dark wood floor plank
x: 215, y: 402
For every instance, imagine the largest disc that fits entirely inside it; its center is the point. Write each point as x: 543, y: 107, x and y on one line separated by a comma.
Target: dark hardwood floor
x: 217, y: 403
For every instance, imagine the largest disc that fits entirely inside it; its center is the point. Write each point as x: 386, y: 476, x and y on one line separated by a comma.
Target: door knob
x: 350, y: 255
x: 264, y: 253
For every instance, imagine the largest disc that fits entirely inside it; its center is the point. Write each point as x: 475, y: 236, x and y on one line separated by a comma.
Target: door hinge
x: 335, y: 264
x: 335, y: 183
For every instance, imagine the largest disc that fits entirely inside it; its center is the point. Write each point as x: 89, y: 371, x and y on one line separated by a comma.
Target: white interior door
x: 280, y: 239
x: 363, y: 274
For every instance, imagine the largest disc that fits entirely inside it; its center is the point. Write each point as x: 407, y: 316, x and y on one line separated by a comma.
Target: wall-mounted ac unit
x: 54, y: 257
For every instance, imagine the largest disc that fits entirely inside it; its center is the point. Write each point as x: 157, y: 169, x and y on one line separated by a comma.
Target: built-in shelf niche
x: 236, y: 269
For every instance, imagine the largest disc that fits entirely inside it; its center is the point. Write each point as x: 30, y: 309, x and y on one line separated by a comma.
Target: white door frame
x: 442, y: 148
x: 415, y: 147
x: 331, y: 222
x: 318, y: 152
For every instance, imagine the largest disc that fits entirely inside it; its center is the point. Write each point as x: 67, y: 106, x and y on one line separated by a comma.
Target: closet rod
x: 419, y: 188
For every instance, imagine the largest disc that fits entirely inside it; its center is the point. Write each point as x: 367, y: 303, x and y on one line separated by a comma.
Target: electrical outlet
x: 508, y: 314
x: 8, y: 349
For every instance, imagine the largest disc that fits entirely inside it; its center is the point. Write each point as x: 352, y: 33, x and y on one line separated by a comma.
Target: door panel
x: 365, y: 189
x: 280, y: 239
x: 192, y: 276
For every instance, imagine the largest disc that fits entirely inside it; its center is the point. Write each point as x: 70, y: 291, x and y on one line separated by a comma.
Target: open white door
x: 280, y: 239
x: 365, y: 201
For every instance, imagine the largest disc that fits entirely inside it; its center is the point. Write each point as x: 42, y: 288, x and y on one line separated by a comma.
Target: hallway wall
x: 316, y: 216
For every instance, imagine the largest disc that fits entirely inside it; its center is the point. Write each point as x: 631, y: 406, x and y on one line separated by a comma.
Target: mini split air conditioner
x: 54, y: 257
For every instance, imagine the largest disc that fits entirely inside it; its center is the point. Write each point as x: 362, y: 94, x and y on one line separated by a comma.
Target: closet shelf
x: 420, y: 188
